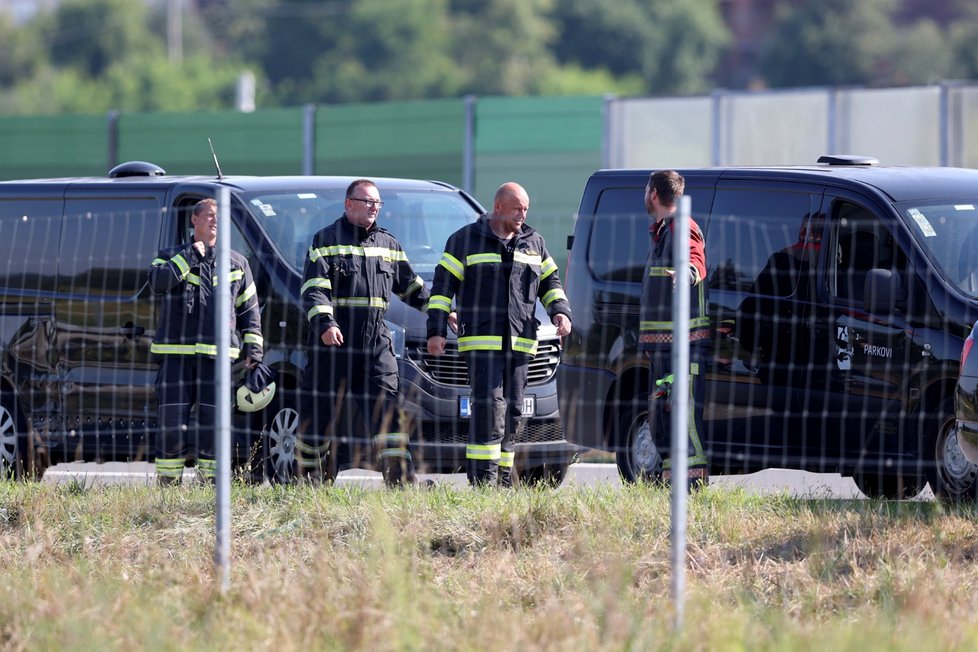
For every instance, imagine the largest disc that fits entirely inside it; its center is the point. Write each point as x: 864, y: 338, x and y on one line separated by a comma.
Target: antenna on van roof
x: 216, y: 164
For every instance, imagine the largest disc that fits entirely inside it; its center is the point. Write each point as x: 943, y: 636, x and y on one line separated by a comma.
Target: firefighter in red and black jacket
x: 496, y: 269
x: 352, y: 267
x: 185, y: 343
x: 662, y: 195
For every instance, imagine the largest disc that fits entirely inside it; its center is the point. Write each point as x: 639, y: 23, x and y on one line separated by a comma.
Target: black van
x: 77, y: 318
x: 840, y: 295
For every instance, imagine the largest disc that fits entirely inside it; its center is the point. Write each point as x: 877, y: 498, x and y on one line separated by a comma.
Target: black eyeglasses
x: 369, y: 202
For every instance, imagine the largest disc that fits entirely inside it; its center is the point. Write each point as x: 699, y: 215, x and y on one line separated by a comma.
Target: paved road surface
x: 771, y: 481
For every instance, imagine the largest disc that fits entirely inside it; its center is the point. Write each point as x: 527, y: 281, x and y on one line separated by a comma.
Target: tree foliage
x: 93, y: 55
x: 841, y: 42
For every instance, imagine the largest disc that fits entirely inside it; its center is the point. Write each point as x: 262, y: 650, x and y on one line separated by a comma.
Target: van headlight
x: 397, y: 338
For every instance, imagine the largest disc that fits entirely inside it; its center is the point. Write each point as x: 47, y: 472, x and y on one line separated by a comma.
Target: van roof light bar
x: 847, y: 159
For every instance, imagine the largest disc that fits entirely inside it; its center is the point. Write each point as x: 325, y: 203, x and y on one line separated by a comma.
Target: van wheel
x: 19, y: 460
x: 952, y: 477
x: 278, y: 442
x: 888, y: 486
x: 11, y: 439
x: 636, y: 452
x: 545, y: 475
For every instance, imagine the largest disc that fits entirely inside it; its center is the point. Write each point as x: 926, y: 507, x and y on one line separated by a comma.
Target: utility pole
x: 174, y: 30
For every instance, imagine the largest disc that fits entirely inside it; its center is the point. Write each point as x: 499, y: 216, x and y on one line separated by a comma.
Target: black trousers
x: 351, y: 417
x: 660, y: 417
x: 497, y: 380
x: 182, y: 382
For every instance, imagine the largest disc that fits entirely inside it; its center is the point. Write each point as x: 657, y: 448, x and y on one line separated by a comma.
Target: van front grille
x: 451, y: 369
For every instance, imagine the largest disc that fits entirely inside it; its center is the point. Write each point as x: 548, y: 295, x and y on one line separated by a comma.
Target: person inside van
x: 662, y: 194
x: 186, y: 346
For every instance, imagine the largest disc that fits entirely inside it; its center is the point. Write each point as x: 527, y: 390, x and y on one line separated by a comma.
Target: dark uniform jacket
x: 188, y: 282
x: 349, y: 275
x: 655, y: 326
x: 496, y: 285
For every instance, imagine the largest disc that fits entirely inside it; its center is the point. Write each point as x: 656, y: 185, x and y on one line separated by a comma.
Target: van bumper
x: 440, y: 433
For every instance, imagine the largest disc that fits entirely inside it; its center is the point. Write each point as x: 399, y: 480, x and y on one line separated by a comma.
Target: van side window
x: 620, y: 236
x: 31, y: 231
x: 107, y: 245
x: 761, y: 241
x: 860, y: 243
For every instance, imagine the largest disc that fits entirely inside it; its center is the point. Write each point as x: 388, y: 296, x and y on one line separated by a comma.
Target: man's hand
x: 562, y: 323
x: 249, y: 363
x: 453, y: 321
x: 201, y: 249
x: 332, y: 336
x: 436, y: 345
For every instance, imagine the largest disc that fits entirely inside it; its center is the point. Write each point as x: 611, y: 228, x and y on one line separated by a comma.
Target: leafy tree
x: 674, y: 45
x: 90, y: 35
x: 839, y: 42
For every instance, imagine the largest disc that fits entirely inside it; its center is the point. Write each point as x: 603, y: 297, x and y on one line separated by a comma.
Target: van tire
x: 18, y: 459
x: 12, y: 439
x: 636, y: 453
x: 278, y: 438
x: 952, y: 477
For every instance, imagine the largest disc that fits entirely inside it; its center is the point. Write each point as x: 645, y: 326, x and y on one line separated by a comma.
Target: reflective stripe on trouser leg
x: 207, y: 467
x: 171, y: 468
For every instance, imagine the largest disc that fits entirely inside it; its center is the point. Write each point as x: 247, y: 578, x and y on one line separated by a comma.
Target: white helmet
x: 249, y: 401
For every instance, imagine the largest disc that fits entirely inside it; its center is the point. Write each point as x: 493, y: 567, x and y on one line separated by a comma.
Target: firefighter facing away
x: 185, y: 345
x: 662, y: 195
x: 350, y: 386
x: 496, y: 269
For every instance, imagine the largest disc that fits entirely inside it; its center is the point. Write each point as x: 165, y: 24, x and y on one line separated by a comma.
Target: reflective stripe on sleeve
x: 249, y: 292
x: 181, y: 264
x: 318, y: 282
x: 453, y: 265
x: 319, y: 310
x: 554, y: 295
x: 252, y: 338
x: 415, y: 285
x: 548, y: 268
x: 440, y: 302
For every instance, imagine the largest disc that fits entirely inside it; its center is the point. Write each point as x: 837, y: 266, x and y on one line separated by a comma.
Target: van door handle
x: 131, y: 330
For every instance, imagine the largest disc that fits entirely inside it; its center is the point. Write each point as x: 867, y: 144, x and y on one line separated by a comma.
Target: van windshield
x: 949, y: 234
x: 421, y: 220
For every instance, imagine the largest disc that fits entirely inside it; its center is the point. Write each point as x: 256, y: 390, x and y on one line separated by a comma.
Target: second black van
x: 840, y: 295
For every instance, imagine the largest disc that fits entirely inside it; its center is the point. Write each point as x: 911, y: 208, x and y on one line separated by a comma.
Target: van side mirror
x: 570, y: 242
x: 881, y: 292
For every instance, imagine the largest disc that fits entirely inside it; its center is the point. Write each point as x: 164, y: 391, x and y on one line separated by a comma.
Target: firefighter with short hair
x: 496, y: 269
x: 352, y: 268
x: 185, y: 342
x: 662, y: 194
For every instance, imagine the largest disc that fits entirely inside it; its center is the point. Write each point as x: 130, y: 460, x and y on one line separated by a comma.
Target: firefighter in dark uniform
x: 496, y: 269
x: 351, y: 381
x: 662, y: 195
x: 185, y: 344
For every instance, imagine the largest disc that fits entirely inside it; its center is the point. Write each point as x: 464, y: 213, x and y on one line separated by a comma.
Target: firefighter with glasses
x: 496, y: 269
x: 350, y: 385
x: 186, y: 276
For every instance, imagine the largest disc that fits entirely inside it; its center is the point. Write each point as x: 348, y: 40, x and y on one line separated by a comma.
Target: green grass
x: 457, y: 569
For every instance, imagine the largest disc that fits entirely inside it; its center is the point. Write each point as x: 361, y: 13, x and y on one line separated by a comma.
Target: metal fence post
x: 222, y: 548
x: 468, y: 146
x: 309, y: 140
x: 680, y: 404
